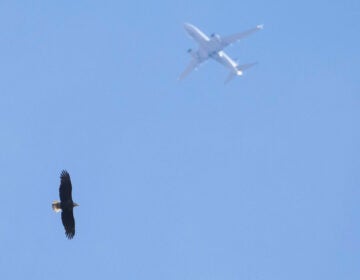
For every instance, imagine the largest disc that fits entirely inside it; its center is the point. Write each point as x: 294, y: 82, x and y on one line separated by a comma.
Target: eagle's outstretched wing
x: 68, y: 221
x: 65, y: 187
x: 67, y: 205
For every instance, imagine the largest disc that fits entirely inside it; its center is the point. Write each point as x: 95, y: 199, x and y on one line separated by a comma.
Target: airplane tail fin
x: 238, y: 71
x: 231, y: 75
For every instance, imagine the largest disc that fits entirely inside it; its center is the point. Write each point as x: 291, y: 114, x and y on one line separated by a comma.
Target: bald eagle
x: 66, y: 205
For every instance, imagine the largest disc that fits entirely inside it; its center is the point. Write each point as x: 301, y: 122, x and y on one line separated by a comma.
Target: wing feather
x: 68, y: 221
x: 65, y: 187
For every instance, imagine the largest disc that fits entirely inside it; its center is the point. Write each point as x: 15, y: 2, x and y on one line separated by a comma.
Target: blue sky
x: 256, y: 179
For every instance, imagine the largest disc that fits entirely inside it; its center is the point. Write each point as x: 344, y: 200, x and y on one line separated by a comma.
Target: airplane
x: 213, y: 48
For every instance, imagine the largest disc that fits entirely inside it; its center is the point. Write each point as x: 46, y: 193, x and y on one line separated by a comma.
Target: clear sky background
x: 257, y: 179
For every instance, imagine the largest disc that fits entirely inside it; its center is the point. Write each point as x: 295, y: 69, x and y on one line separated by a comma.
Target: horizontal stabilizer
x: 239, y: 71
x: 246, y: 66
x: 230, y: 77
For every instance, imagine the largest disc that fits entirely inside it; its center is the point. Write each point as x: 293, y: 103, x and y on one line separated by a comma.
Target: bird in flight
x: 66, y: 205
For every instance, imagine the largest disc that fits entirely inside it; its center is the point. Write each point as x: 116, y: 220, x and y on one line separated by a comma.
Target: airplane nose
x: 188, y: 26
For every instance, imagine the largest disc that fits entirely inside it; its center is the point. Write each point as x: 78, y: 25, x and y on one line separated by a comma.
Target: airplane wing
x: 227, y: 40
x: 192, y: 65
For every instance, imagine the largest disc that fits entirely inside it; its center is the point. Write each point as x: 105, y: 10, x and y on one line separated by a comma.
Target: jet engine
x: 192, y: 53
x: 215, y: 37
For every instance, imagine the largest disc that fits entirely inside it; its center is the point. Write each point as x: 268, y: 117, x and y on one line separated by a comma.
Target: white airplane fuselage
x: 208, y: 46
x: 212, y: 47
